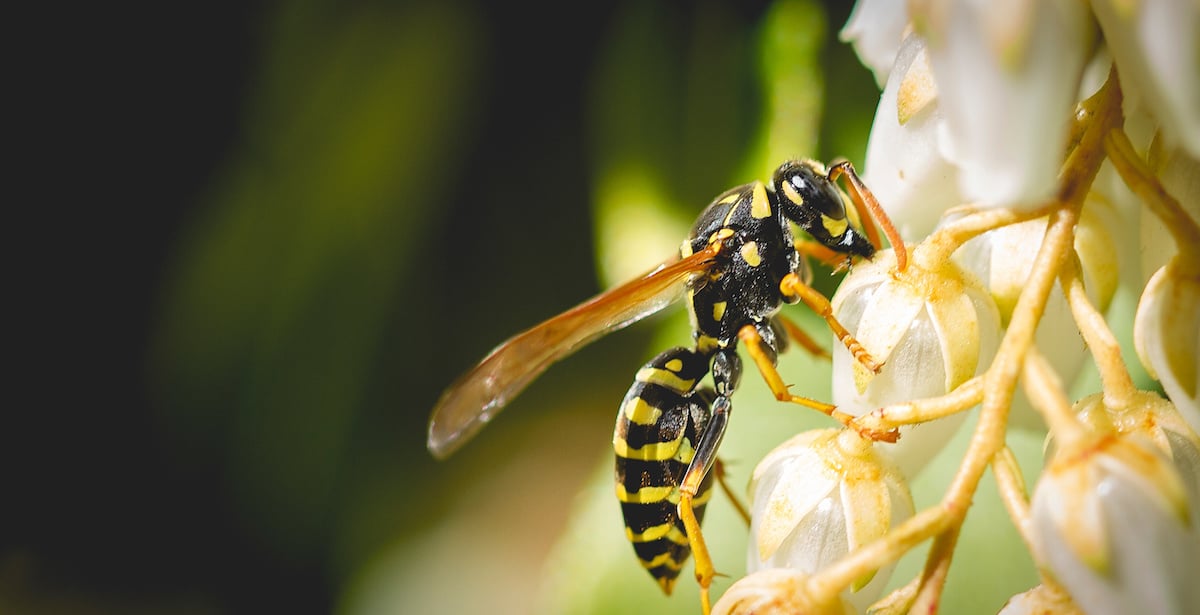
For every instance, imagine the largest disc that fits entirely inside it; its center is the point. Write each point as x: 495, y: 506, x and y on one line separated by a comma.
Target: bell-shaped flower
x: 1156, y: 47
x: 1166, y: 333
x: 1112, y: 521
x: 776, y: 591
x: 905, y: 168
x: 932, y: 328
x: 1002, y: 260
x: 819, y: 496
x: 1156, y: 420
x: 875, y: 29
x: 1008, y: 76
x: 1040, y: 600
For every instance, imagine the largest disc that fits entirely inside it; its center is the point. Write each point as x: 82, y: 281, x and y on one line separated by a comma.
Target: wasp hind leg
x: 726, y: 374
x: 702, y: 463
x: 719, y: 474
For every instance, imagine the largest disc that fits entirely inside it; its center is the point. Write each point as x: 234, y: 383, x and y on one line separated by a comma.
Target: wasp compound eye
x: 805, y: 189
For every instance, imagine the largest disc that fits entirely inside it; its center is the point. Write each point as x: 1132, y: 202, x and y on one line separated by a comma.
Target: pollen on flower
x: 917, y: 89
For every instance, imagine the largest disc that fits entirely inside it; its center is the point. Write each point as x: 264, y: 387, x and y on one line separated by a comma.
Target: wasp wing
x: 481, y: 393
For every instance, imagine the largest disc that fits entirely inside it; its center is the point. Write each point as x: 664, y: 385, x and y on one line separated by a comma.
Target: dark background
x: 226, y: 365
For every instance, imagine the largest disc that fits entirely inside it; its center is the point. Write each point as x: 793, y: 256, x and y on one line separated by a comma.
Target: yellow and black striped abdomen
x: 658, y: 426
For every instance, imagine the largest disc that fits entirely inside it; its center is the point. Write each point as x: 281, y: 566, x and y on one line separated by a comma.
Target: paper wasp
x: 739, y: 264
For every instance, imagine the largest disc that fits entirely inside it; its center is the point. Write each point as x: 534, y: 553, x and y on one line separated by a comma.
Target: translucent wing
x: 481, y: 393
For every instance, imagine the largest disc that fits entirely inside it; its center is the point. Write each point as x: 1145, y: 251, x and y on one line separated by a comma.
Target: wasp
x: 739, y: 264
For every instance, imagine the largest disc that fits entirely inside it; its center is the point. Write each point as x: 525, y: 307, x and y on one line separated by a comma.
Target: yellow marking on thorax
x: 674, y: 365
x: 721, y: 234
x: 719, y: 310
x: 706, y: 344
x: 731, y: 213
x: 657, y: 451
x: 665, y: 378
x: 760, y: 206
x: 640, y: 412
x: 750, y: 254
x: 691, y: 309
x: 835, y: 226
x: 731, y: 197
x: 645, y: 495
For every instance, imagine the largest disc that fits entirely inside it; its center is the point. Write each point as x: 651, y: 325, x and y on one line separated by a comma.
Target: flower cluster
x: 1038, y: 159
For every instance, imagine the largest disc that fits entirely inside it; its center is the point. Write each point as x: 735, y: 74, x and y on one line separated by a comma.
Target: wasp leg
x: 826, y: 256
x: 792, y: 286
x: 719, y: 474
x: 798, y: 335
x: 760, y: 345
x: 701, y: 464
x: 870, y: 212
x: 726, y: 373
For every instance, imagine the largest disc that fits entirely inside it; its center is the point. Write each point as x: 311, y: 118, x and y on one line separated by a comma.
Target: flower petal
x: 992, y: 67
x: 875, y: 29
x: 1166, y: 333
x: 904, y: 166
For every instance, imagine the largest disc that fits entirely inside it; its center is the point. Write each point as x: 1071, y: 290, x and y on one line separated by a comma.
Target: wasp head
x: 809, y: 198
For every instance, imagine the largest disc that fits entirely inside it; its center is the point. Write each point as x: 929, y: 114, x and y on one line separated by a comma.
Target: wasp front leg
x: 792, y: 287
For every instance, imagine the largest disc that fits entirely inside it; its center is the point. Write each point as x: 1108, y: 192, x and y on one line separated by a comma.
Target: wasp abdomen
x: 658, y: 426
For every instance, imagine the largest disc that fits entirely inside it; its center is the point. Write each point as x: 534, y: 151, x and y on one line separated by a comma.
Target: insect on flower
x: 739, y: 264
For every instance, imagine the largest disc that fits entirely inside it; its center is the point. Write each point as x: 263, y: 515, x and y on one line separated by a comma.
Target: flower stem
x: 1011, y: 484
x: 1142, y: 182
x: 890, y: 417
x: 1106, y: 351
x: 1045, y: 391
x: 938, y: 247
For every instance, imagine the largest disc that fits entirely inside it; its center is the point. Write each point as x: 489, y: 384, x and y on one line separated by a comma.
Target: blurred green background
x: 294, y: 223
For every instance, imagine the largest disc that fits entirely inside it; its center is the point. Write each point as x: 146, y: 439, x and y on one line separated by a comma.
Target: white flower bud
x: 1003, y: 261
x: 1112, y: 521
x: 1008, y: 74
x: 1156, y: 420
x: 1156, y: 46
x: 1166, y: 333
x: 932, y: 329
x: 775, y: 592
x: 875, y: 29
x: 819, y: 496
x: 1180, y: 177
x: 1040, y: 601
x: 905, y: 168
